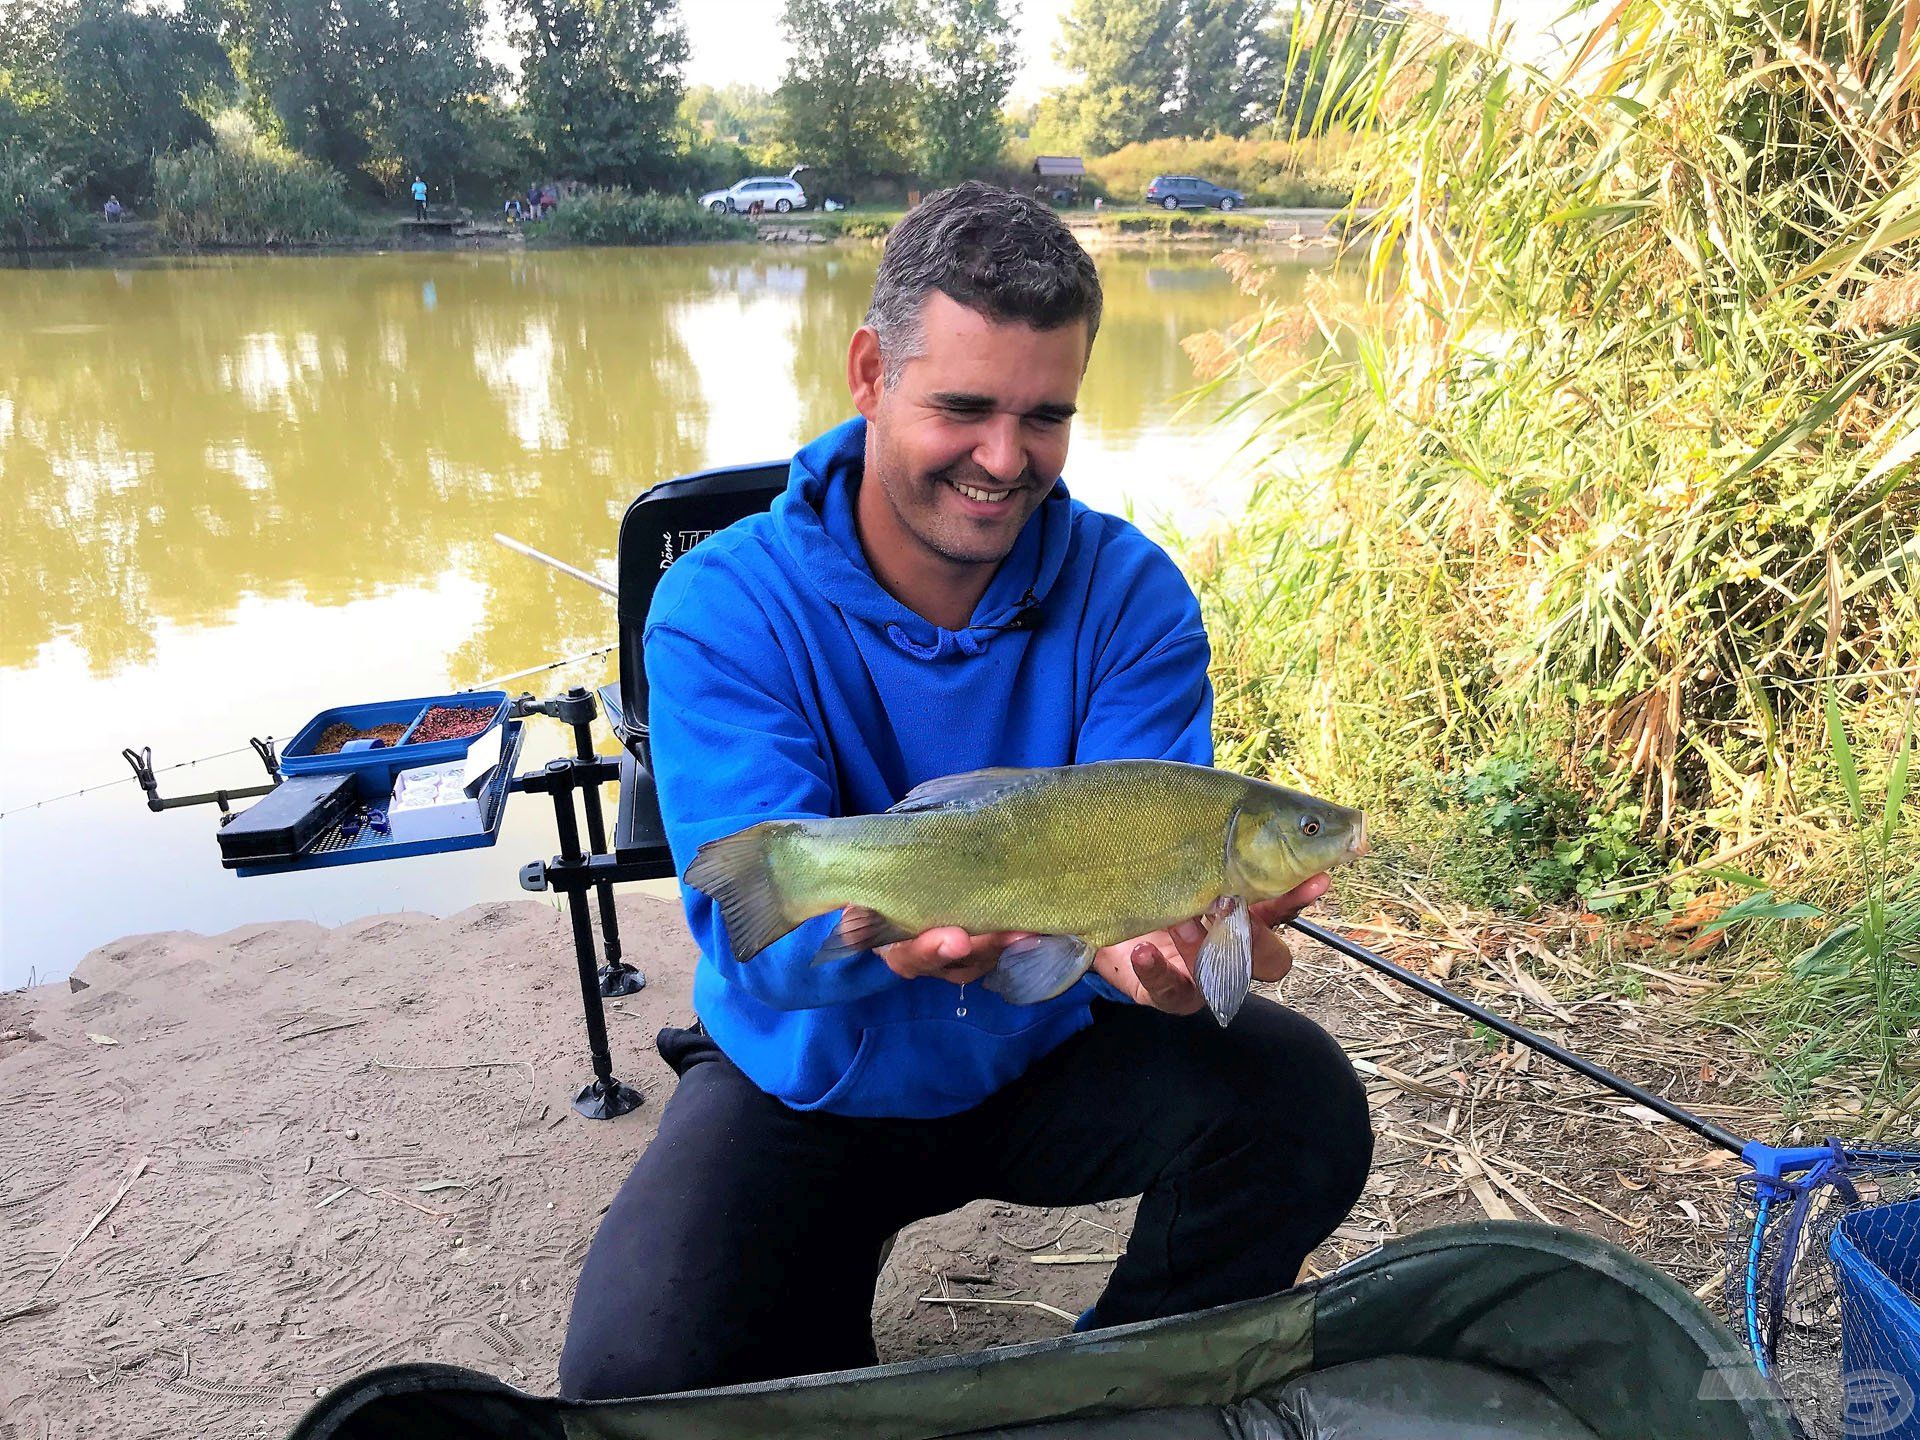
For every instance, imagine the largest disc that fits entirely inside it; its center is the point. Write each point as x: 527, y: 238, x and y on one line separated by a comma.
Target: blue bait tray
x: 374, y: 769
x: 336, y: 847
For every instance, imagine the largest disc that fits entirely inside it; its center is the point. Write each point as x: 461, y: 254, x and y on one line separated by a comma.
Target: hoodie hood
x: 815, y: 521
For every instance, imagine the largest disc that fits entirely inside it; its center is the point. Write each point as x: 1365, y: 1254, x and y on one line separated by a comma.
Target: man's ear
x: 866, y: 372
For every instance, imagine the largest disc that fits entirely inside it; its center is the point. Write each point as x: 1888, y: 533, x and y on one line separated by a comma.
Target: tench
x: 1079, y: 856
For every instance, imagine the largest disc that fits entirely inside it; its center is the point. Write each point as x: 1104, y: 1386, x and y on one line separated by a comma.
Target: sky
x: 739, y: 41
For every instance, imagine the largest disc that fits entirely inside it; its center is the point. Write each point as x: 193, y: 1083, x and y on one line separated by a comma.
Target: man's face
x: 968, y: 439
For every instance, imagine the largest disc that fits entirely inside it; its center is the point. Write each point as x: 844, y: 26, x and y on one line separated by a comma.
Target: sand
x: 358, y: 1150
x: 322, y: 1150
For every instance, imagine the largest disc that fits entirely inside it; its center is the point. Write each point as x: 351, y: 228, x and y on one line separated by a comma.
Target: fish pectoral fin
x: 1038, y: 968
x: 859, y: 929
x: 1224, y: 970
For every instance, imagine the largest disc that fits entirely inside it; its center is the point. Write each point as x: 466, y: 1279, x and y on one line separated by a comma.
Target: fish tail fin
x: 738, y: 872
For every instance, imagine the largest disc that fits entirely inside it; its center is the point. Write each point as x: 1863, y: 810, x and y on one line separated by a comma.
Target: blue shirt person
x: 419, y: 198
x: 927, y: 598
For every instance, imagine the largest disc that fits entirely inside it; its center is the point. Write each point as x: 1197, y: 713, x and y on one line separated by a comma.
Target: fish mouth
x: 1357, y: 846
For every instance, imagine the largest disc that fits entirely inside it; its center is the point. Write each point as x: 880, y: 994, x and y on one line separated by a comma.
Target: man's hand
x: 1157, y: 969
x: 947, y: 953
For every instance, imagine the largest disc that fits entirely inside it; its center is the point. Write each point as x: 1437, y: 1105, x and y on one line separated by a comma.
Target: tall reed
x: 1622, y: 455
x: 1618, y: 465
x: 35, y: 209
x: 246, y: 189
x: 623, y: 217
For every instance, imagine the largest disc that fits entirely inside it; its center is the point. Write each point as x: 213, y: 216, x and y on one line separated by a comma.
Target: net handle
x: 1707, y: 1131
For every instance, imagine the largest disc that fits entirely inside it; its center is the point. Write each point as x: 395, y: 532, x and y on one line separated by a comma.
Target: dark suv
x: 1190, y: 192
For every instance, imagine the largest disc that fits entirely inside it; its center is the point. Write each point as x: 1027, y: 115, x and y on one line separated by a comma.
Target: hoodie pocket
x: 926, y: 1067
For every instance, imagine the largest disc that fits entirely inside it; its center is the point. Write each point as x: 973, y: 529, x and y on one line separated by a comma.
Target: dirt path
x: 318, y: 1151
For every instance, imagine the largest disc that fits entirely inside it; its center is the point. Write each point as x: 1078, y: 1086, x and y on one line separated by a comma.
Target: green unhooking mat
x: 1491, y: 1331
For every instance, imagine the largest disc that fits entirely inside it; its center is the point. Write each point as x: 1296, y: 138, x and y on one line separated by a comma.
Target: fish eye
x: 1309, y: 826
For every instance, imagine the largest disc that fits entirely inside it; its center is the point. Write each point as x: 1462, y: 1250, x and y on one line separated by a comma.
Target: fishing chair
x: 658, y: 528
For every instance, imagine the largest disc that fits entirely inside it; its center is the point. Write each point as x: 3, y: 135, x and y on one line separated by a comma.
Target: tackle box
x: 375, y: 767
x: 286, y: 823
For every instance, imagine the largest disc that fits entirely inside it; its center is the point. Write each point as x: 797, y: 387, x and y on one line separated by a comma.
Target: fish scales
x: 1106, y: 853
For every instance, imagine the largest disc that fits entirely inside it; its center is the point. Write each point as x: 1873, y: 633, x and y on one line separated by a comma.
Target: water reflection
x: 211, y: 447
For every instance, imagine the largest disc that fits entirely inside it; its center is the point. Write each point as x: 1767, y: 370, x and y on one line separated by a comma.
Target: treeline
x: 96, y: 94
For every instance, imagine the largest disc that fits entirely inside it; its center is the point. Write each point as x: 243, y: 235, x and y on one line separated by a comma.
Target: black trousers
x: 746, y: 1244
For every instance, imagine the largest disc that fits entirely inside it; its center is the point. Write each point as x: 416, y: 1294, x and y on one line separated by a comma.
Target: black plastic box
x: 287, y: 820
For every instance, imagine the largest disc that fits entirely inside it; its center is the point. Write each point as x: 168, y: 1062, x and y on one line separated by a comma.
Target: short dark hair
x: 1004, y: 255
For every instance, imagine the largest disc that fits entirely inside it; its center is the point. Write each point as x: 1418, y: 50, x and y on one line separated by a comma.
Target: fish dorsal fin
x: 974, y: 787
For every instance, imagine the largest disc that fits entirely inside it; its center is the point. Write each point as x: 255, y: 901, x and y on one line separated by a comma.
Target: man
x: 419, y: 198
x: 926, y: 599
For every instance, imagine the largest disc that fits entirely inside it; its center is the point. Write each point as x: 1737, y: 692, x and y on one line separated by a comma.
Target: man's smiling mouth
x: 974, y: 492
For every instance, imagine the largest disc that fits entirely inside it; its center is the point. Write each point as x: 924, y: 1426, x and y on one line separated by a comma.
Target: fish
x: 1076, y: 857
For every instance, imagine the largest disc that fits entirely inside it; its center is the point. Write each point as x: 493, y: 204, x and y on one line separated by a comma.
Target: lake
x: 242, y: 490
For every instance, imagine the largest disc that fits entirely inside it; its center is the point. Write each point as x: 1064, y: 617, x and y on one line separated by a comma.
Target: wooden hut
x: 1060, y: 177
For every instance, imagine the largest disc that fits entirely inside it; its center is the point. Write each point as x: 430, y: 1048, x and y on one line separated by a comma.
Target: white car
x: 774, y: 192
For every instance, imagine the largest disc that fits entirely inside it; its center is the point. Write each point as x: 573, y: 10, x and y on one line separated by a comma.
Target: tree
x: 602, y: 83
x: 1155, y: 68
x: 309, y: 72
x: 381, y: 86
x: 848, y: 87
x: 1125, y: 51
x: 100, y: 88
x: 1226, y: 54
x: 969, y: 65
x: 431, y: 112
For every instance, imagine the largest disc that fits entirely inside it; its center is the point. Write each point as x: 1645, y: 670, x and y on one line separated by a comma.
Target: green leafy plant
x: 1853, y: 993
x: 1537, y: 841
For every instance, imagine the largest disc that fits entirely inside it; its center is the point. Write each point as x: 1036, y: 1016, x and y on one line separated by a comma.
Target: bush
x: 35, y: 209
x: 620, y: 217
x: 856, y: 227
x: 1269, y: 172
x: 247, y: 190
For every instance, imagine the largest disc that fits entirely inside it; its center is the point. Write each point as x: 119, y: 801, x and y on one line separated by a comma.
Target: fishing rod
x: 1706, y: 1130
x: 560, y: 565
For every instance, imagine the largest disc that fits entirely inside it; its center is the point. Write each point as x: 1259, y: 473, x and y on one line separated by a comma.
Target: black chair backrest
x: 660, y: 527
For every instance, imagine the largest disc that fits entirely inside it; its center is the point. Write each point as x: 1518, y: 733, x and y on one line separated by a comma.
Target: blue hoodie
x: 786, y: 682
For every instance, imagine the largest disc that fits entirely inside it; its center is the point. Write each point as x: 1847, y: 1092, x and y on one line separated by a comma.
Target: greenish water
x: 242, y: 490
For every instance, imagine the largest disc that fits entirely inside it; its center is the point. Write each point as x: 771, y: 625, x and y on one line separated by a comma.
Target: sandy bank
x: 358, y: 1150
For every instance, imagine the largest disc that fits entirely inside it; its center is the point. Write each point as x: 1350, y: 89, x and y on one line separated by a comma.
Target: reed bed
x: 1592, y: 535
x: 246, y: 189
x: 1315, y: 171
